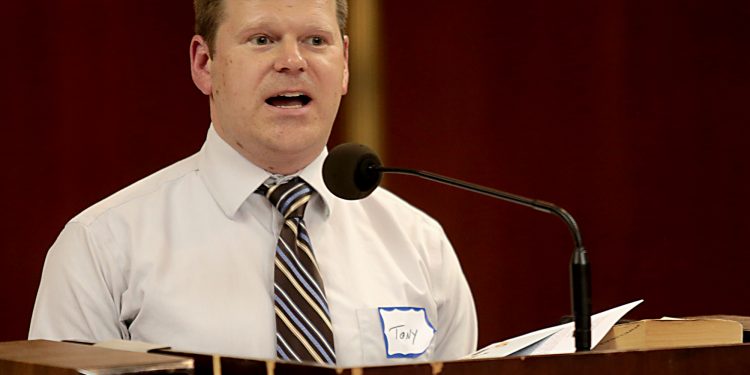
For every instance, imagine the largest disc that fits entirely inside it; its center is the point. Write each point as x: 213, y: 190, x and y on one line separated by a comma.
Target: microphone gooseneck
x: 353, y: 171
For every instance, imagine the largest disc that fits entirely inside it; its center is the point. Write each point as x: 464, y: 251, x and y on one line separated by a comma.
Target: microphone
x: 353, y: 171
x: 350, y: 171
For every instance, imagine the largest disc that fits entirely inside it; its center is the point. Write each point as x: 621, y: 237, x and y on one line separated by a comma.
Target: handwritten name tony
x: 404, y: 334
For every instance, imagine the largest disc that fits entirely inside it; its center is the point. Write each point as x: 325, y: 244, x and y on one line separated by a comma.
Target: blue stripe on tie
x: 299, y: 266
x: 283, y: 342
x: 303, y: 236
x: 292, y: 254
x: 281, y: 352
x: 286, y: 189
x: 302, y: 327
x: 300, y: 277
x: 288, y: 200
x: 281, y: 293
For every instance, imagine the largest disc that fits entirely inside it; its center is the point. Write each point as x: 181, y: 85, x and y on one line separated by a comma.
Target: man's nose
x: 290, y: 58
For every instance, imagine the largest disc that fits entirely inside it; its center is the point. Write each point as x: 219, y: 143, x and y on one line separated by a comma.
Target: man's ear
x: 200, y: 64
x: 345, y: 80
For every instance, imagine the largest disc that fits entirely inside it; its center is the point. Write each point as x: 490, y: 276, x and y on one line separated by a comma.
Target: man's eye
x: 260, y: 40
x: 316, y: 40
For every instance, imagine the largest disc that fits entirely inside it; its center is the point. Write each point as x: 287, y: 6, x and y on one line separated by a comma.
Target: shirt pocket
x: 373, y: 341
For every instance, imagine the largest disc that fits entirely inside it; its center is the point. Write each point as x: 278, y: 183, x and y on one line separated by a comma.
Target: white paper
x: 507, y: 347
x: 555, y: 340
x: 406, y: 330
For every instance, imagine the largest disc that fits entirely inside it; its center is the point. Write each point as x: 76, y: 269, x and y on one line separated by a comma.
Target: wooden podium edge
x: 723, y: 359
x: 52, y: 357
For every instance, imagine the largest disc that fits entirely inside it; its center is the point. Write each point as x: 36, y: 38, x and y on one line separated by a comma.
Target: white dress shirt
x: 185, y: 258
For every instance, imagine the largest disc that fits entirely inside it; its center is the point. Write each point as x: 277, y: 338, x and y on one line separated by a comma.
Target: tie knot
x: 290, y: 197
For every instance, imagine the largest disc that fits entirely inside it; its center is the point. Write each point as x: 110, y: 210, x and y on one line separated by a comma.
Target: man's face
x: 277, y: 75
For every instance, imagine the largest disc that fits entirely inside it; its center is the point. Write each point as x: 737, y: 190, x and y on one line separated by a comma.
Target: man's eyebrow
x: 324, y: 28
x: 257, y: 23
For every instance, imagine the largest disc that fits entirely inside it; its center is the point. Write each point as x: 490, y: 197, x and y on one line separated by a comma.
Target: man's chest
x: 221, y: 300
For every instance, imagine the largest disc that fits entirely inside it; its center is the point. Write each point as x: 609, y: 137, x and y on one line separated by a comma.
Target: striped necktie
x: 303, y: 324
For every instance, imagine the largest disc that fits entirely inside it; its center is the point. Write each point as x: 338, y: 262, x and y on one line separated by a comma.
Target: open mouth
x: 289, y: 100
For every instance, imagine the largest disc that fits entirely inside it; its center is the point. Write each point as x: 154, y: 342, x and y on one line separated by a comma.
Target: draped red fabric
x: 629, y: 114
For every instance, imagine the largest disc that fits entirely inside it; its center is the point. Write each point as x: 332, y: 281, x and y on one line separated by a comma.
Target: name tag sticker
x: 407, y: 331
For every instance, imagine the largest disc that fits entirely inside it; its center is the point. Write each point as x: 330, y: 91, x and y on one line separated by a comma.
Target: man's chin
x: 294, y: 151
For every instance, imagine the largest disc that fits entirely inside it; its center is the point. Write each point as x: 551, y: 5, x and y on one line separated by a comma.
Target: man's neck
x: 278, y: 162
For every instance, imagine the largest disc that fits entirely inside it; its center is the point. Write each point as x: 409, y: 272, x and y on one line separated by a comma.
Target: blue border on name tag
x: 385, y: 337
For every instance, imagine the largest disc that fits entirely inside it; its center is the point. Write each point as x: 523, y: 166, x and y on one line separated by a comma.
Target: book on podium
x: 671, y: 333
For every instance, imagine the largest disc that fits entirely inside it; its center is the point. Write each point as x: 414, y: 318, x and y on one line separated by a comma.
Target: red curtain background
x: 629, y: 114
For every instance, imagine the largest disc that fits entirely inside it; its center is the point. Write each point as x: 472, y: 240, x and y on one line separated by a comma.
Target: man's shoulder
x: 138, y: 192
x: 386, y: 202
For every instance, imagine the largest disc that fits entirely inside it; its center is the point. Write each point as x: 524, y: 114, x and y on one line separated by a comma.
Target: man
x: 185, y: 257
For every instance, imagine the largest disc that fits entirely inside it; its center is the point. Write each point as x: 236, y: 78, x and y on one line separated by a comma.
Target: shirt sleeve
x: 76, y: 299
x: 457, y: 318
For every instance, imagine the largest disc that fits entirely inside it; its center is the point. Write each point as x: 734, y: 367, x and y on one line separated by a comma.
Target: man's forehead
x: 317, y: 12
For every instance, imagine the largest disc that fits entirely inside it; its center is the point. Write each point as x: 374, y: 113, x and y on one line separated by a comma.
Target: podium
x: 48, y: 357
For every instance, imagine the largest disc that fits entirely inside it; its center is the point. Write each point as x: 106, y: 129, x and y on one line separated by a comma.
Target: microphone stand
x: 580, y: 269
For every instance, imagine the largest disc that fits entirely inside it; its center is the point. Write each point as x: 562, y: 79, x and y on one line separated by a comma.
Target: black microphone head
x: 350, y: 171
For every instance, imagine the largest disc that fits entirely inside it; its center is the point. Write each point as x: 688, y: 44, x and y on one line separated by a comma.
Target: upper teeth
x: 291, y: 94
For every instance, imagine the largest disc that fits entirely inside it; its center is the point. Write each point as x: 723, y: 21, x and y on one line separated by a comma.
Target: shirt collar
x: 231, y: 179
x: 313, y: 174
